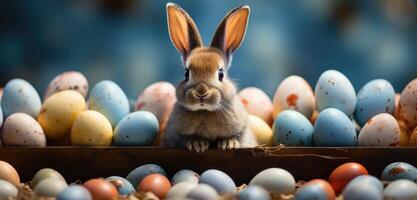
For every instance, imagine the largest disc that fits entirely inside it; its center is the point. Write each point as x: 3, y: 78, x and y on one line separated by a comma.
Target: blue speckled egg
x: 254, y: 192
x: 401, y: 189
x: 136, y: 175
x: 292, y: 128
x: 123, y: 186
x: 185, y: 175
x: 275, y: 180
x: 20, y: 96
x: 203, y: 192
x: 136, y: 129
x: 109, y: 99
x: 363, y: 191
x: 219, y: 180
x: 367, y: 179
x: 377, y: 96
x: 334, y: 90
x: 334, y: 128
x: 399, y: 170
x: 75, y: 192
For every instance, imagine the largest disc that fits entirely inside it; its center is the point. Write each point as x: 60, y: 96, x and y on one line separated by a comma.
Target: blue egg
x: 136, y: 129
x: 109, y: 99
x: 334, y: 128
x: 399, y: 170
x: 203, y: 192
x: 254, y: 192
x: 362, y: 191
x: 401, y: 189
x: 310, y: 192
x: 367, y: 179
x: 125, y: 188
x: 377, y: 96
x: 136, y: 175
x: 219, y: 180
x: 20, y: 96
x: 334, y: 90
x: 75, y: 192
x: 292, y: 128
x: 185, y: 175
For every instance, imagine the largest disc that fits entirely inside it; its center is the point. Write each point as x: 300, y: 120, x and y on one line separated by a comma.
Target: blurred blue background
x: 127, y: 41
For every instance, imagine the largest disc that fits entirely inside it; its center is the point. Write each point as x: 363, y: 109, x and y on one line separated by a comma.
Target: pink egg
x: 296, y: 94
x: 407, y: 108
x: 20, y: 129
x: 71, y: 80
x: 257, y: 103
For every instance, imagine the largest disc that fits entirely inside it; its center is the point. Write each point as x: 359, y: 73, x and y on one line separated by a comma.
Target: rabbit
x: 208, y: 110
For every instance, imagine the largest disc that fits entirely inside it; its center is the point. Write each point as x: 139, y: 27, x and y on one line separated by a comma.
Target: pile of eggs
x: 349, y: 181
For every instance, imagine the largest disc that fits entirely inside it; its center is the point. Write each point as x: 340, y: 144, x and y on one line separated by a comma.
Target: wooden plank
x: 81, y: 163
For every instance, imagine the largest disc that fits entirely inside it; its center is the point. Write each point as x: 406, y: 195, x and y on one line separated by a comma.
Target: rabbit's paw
x: 198, y: 145
x: 228, y: 143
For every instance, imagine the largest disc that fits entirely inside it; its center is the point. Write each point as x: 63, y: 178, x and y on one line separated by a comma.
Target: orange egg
x: 327, y: 188
x: 341, y: 176
x: 101, y: 189
x: 8, y: 173
x: 155, y: 183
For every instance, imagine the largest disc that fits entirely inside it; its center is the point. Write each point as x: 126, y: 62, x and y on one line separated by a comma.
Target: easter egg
x: 155, y: 183
x: 45, y: 173
x: 257, y: 103
x: 91, y: 128
x: 9, y: 174
x: 109, y: 99
x: 254, y: 192
x: 139, y: 128
x: 334, y: 128
x: 219, y: 180
x: 136, y: 175
x: 185, y: 175
x: 407, y: 108
x: 71, y: 80
x: 7, y: 190
x: 399, y: 170
x: 180, y: 190
x: 401, y: 189
x: 292, y: 128
x: 58, y: 113
x: 316, y: 189
x: 294, y: 93
x: 261, y: 130
x: 203, y: 192
x: 376, y: 96
x: 343, y: 174
x: 50, y: 187
x: 275, y: 180
x: 101, y: 189
x: 380, y: 130
x: 123, y: 186
x: 334, y: 90
x: 21, y: 129
x: 75, y: 192
x: 19, y: 96
x: 361, y: 190
x: 367, y: 180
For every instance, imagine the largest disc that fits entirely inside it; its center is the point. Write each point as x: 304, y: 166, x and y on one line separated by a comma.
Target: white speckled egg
x: 71, y: 80
x: 7, y: 190
x: 20, y: 96
x: 257, y: 103
x: 275, y: 180
x: 407, y: 108
x: 401, y: 189
x: 334, y: 90
x: 21, y: 129
x: 296, y: 94
x: 91, y: 128
x: 380, y: 130
x: 261, y: 130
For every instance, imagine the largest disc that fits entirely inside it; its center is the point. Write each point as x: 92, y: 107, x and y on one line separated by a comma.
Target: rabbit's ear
x: 182, y: 30
x: 231, y: 31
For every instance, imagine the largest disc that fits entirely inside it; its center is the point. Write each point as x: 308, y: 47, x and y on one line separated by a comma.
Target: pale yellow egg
x: 91, y: 128
x: 261, y: 130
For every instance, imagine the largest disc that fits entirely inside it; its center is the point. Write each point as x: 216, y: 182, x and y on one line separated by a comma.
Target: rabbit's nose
x: 201, y: 90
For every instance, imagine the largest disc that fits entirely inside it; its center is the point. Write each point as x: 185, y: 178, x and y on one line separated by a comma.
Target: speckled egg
x: 109, y: 99
x: 185, y: 175
x: 334, y: 90
x: 296, y: 94
x: 45, y: 173
x: 399, y: 170
x: 139, y: 128
x: 19, y: 96
x: 71, y: 80
x: 380, y: 130
x: 8, y: 173
x: 21, y: 129
x: 334, y: 128
x: 257, y: 103
x: 7, y: 190
x: 219, y: 180
x: 254, y: 192
x: 50, y: 187
x: 316, y: 189
x: 203, y: 192
x: 368, y: 180
x: 91, y: 128
x: 261, y: 130
x: 75, y: 192
x: 155, y: 183
x: 123, y: 186
x: 401, y: 189
x: 180, y: 190
x: 361, y: 190
x: 376, y: 96
x: 58, y: 113
x: 159, y: 99
x: 275, y: 180
x: 101, y: 189
x: 292, y: 128
x: 136, y: 175
x: 343, y: 174
x: 407, y: 108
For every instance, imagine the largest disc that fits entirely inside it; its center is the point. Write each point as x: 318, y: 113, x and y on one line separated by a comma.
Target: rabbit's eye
x: 221, y: 74
x: 187, y: 74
